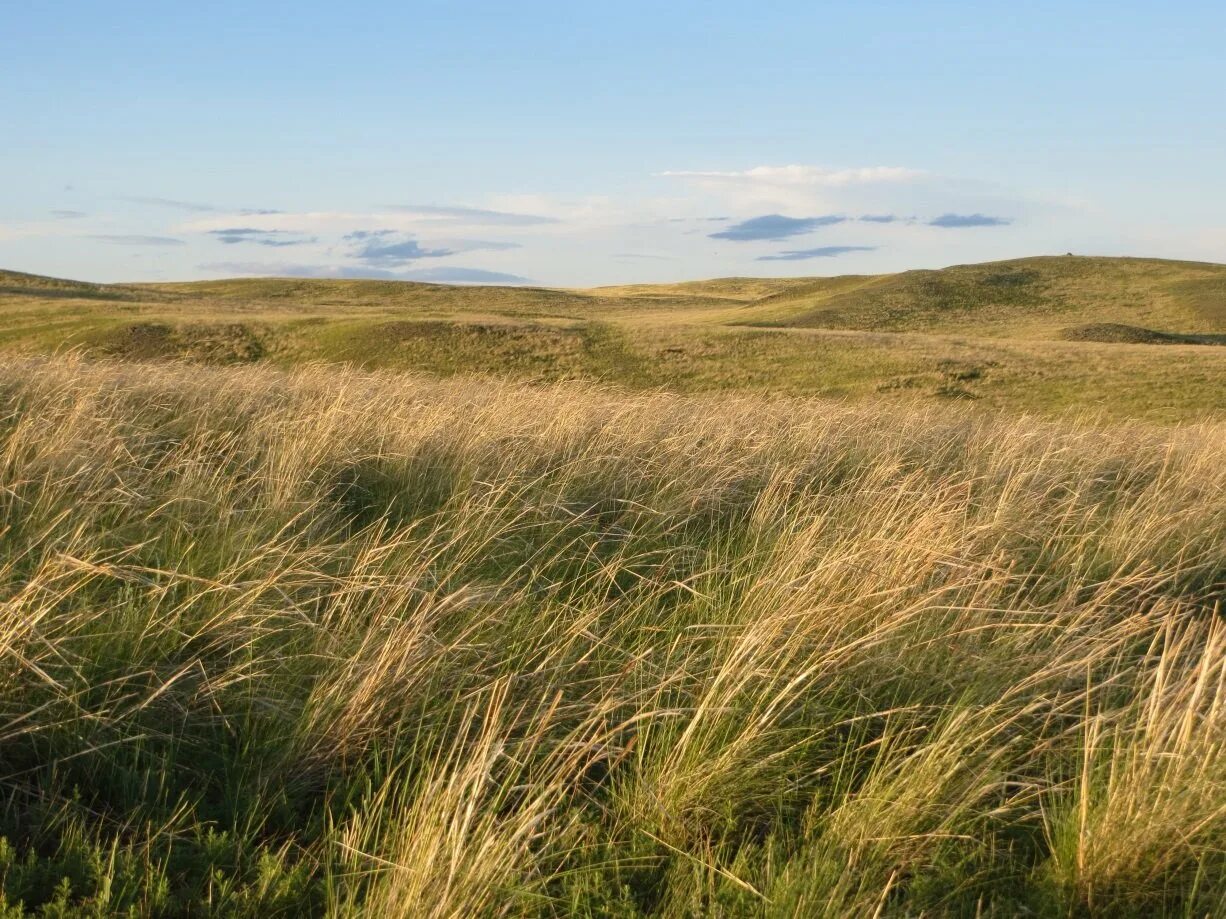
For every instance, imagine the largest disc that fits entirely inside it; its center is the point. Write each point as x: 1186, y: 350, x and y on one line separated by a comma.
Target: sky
x: 578, y: 144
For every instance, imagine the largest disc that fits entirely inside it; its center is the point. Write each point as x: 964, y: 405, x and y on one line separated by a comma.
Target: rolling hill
x: 1033, y: 297
x: 1047, y: 334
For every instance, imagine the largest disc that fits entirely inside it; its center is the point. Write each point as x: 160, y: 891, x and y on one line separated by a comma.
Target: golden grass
x: 333, y: 642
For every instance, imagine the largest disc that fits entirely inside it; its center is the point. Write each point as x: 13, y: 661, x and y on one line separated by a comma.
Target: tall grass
x: 336, y: 643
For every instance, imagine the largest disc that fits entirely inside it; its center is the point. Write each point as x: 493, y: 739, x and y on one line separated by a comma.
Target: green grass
x: 1127, y: 338
x: 309, y: 605
x: 322, y: 641
x: 1022, y: 298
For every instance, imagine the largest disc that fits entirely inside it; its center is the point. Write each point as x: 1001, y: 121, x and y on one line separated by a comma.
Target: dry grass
x: 330, y: 642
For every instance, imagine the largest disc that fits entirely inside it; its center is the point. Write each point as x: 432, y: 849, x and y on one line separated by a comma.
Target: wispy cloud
x: 473, y: 216
x: 172, y: 203
x: 968, y: 220
x: 775, y: 227
x: 196, y: 207
x: 125, y: 239
x: 431, y: 221
x: 440, y: 275
x: 274, y: 238
x: 799, y: 255
x: 797, y: 174
x: 477, y: 245
x: 801, y: 188
x: 881, y: 218
x: 68, y: 215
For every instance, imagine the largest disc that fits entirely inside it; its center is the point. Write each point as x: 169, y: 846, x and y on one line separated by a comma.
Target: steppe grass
x: 328, y: 642
x: 1123, y: 338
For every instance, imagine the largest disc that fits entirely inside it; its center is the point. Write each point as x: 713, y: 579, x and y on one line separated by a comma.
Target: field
x: 1041, y: 335
x: 885, y: 596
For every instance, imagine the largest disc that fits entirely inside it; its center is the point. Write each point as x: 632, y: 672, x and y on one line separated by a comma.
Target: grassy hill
x: 1032, y: 297
x: 1049, y: 335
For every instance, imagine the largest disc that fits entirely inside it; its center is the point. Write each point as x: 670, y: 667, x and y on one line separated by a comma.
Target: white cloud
x: 798, y: 188
x: 675, y: 224
x: 796, y: 174
x: 472, y: 215
x: 430, y: 221
x: 599, y: 210
x: 300, y: 222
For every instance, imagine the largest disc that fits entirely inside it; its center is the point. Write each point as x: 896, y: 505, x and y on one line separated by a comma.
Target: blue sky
x: 576, y: 143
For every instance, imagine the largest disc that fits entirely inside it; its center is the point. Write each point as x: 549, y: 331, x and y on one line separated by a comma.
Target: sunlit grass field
x: 308, y: 640
x: 1123, y: 338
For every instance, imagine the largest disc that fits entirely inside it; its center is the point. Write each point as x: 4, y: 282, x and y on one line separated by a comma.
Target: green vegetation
x: 1043, y: 335
x: 1022, y: 298
x: 323, y: 641
x: 367, y: 598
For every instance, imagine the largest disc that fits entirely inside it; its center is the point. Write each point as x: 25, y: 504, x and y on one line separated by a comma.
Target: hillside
x: 1051, y: 334
x: 1034, y: 297
x: 17, y: 284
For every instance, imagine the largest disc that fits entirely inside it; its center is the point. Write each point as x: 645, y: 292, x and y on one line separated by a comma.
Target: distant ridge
x: 1127, y: 300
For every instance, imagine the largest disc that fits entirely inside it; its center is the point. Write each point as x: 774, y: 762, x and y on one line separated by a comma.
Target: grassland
x: 332, y: 642
x: 362, y: 598
x: 1044, y: 335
